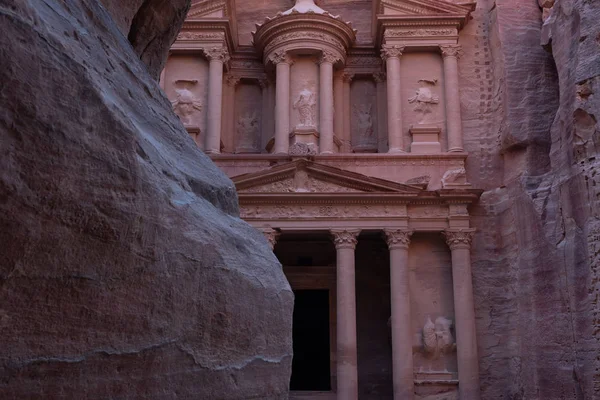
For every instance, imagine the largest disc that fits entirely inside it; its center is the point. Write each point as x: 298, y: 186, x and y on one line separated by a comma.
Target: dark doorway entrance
x: 310, y: 333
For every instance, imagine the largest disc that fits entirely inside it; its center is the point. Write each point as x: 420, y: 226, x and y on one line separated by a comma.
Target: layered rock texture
x: 125, y: 271
x: 533, y: 135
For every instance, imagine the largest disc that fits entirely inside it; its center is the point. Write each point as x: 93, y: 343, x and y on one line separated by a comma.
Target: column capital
x: 345, y: 238
x: 398, y: 238
x: 328, y: 57
x: 379, y: 77
x: 451, y: 50
x: 272, y: 236
x: 216, y: 54
x: 280, y: 57
x: 459, y: 238
x: 347, y: 77
x: 390, y: 51
x: 232, y: 80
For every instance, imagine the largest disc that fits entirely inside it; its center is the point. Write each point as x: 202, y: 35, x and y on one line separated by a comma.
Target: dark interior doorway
x: 310, y: 333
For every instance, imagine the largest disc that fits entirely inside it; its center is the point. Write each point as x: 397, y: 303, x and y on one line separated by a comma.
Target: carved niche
x: 248, y: 117
x: 364, y: 116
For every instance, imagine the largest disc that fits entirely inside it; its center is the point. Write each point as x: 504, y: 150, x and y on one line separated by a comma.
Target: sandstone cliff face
x: 534, y: 147
x: 125, y: 271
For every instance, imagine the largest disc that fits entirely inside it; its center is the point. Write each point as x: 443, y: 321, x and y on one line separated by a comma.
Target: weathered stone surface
x: 150, y: 25
x: 537, y: 251
x: 125, y: 271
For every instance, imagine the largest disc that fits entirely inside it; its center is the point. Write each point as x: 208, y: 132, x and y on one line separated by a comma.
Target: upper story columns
x: 282, y: 63
x: 391, y: 56
x: 451, y: 53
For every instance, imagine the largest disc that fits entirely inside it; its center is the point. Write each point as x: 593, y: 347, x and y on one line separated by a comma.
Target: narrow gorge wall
x: 532, y: 134
x: 125, y: 271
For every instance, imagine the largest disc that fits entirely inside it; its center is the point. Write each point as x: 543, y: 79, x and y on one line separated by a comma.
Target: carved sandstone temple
x: 345, y: 145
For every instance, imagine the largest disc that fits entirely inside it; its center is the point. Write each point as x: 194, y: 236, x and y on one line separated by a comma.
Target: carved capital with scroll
x: 379, y: 77
x: 232, y: 80
x: 451, y: 50
x: 280, y: 56
x: 345, y: 238
x: 459, y: 238
x: 217, y: 54
x: 347, y: 77
x: 328, y: 56
x: 272, y: 236
x: 398, y: 238
x: 388, y: 51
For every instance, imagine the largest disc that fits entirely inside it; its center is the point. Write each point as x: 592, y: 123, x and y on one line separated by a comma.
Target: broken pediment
x: 208, y: 9
x: 423, y: 8
x: 303, y: 176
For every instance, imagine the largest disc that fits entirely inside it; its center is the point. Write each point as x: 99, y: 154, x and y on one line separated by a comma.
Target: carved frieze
x: 212, y: 36
x: 300, y: 183
x: 422, y: 32
x: 314, y: 211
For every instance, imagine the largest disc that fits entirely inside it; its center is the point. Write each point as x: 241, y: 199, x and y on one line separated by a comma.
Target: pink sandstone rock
x: 125, y: 271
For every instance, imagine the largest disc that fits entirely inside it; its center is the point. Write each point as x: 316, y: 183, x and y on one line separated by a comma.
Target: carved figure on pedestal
x: 307, y: 108
x: 186, y: 105
x: 424, y: 99
x: 247, y: 130
x: 437, y: 338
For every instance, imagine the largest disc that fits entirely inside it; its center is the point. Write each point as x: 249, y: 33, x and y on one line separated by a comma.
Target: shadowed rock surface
x: 125, y: 271
x: 537, y: 252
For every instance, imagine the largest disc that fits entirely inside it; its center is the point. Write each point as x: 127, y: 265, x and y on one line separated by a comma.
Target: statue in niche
x: 365, y: 123
x: 186, y: 105
x: 307, y: 107
x: 424, y: 99
x: 437, y: 337
x: 247, y: 130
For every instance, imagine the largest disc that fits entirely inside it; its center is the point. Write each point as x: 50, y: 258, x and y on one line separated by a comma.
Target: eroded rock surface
x: 125, y: 271
x: 537, y: 253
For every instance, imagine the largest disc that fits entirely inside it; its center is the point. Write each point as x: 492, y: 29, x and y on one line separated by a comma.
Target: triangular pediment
x: 422, y: 8
x: 304, y: 176
x: 208, y: 9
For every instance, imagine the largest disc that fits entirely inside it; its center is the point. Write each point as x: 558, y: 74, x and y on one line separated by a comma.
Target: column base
x: 212, y: 151
x: 396, y: 151
x: 456, y: 150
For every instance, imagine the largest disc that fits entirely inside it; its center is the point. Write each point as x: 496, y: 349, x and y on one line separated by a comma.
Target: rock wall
x: 531, y: 128
x: 125, y: 271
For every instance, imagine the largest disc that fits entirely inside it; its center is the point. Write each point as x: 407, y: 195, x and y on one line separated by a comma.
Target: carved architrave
x: 306, y: 35
x: 451, y: 50
x: 398, y: 238
x: 345, y: 238
x: 293, y: 185
x: 422, y: 32
x: 388, y: 51
x: 459, y: 238
x: 200, y: 36
x: 319, y: 211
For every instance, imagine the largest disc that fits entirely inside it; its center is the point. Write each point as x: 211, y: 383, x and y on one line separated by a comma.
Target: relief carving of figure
x: 247, y: 130
x: 424, y: 99
x: 365, y: 122
x: 186, y: 105
x: 307, y: 107
x: 437, y: 337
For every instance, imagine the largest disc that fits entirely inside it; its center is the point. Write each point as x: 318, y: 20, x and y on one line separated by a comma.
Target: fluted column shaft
x: 346, y: 354
x: 453, y: 117
x: 326, y: 103
x: 216, y: 56
x: 398, y: 241
x: 459, y: 242
x: 391, y: 55
x: 282, y: 101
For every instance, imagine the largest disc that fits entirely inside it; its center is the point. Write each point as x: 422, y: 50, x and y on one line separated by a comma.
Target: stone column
x: 391, y: 56
x: 282, y: 62
x: 326, y: 102
x: 398, y: 241
x: 347, y: 371
x: 272, y: 236
x: 266, y: 106
x: 381, y: 111
x: 229, y: 123
x: 217, y: 56
x: 459, y: 241
x: 453, y: 117
x: 338, y: 106
x: 347, y: 133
